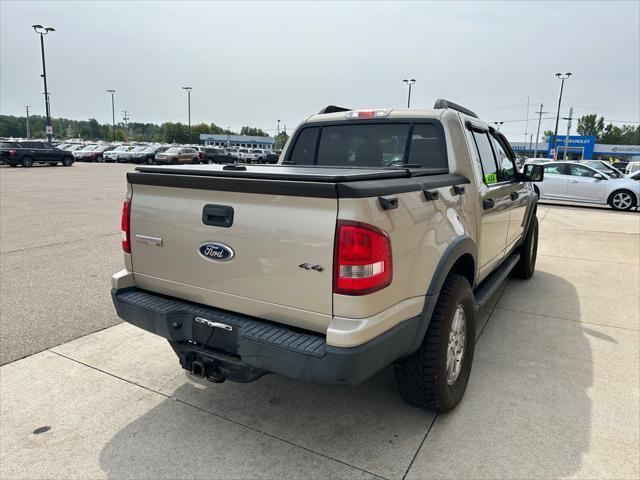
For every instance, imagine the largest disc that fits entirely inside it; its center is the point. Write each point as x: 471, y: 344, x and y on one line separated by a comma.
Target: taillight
x: 362, y: 259
x: 126, y: 226
x: 201, y: 155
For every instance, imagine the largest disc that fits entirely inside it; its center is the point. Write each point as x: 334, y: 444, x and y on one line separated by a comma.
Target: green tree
x: 546, y: 136
x: 253, y: 132
x: 590, y: 125
x: 281, y: 140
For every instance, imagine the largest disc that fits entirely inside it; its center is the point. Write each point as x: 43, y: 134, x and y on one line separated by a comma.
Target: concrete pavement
x: 554, y: 391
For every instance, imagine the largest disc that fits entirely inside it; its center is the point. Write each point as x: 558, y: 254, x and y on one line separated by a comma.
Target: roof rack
x: 442, y: 103
x: 333, y: 109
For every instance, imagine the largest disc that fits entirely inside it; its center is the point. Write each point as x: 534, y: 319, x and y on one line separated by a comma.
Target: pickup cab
x: 373, y: 242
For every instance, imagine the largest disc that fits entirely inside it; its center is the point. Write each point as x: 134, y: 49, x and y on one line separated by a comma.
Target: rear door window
x: 487, y: 159
x: 554, y: 169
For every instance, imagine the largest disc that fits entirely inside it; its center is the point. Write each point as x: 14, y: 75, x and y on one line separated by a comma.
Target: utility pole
x: 277, y: 136
x: 113, y: 114
x: 27, y: 107
x: 42, y: 31
x: 188, y: 89
x: 125, y: 117
x: 566, y: 140
x: 526, y: 123
x: 539, y: 112
x: 409, y: 83
x: 555, y: 134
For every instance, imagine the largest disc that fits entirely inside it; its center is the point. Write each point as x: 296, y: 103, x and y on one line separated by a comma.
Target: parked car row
x: 27, y: 152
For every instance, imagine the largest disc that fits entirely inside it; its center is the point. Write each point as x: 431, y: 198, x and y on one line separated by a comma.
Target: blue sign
x: 576, y: 143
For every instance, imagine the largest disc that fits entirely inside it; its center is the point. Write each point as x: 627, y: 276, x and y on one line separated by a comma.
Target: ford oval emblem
x: 216, y: 252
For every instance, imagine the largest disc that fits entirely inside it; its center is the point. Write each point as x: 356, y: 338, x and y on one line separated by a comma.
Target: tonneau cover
x: 284, y: 172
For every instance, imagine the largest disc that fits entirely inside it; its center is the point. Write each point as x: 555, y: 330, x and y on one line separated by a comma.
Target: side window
x: 426, y: 149
x: 488, y: 161
x: 304, y: 149
x: 554, y: 169
x: 507, y: 170
x: 580, y: 171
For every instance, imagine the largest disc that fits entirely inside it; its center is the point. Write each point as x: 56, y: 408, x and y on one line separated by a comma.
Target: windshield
x: 383, y: 145
x: 173, y: 150
x: 139, y: 149
x: 603, y: 167
x: 121, y: 148
x: 88, y: 148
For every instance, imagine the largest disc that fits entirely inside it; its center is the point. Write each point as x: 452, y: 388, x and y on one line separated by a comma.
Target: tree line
x: 168, y: 132
x: 608, y: 134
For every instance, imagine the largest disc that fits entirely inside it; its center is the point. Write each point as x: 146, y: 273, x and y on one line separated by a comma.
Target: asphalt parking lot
x: 554, y: 391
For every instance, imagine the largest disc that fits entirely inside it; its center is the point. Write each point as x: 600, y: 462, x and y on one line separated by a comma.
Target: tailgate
x: 251, y: 266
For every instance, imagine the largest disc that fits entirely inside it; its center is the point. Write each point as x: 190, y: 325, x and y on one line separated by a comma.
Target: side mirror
x: 533, y: 172
x: 598, y: 176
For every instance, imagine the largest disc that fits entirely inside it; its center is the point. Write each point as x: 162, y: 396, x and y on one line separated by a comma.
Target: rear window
x: 371, y: 145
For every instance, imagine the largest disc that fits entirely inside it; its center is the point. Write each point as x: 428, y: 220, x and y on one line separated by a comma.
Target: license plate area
x: 213, y: 335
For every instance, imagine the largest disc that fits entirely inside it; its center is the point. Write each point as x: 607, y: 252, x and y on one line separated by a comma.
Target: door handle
x: 514, y: 195
x: 573, y: 181
x: 488, y: 204
x: 217, y: 215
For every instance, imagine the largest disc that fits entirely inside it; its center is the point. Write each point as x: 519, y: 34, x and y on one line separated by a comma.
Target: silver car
x: 576, y: 182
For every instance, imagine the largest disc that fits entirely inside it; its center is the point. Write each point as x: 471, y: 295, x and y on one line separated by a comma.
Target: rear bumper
x: 242, y: 347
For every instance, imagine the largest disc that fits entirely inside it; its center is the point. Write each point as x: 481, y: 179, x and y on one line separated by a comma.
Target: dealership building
x: 241, y: 141
x: 578, y: 147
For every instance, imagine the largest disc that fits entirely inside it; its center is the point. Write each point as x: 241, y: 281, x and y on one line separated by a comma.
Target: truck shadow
x: 526, y: 414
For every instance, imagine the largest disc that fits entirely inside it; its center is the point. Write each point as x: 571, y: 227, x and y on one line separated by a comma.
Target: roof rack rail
x: 442, y: 103
x: 333, y: 109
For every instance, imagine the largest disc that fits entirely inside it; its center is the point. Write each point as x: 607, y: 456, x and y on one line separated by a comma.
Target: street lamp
x: 498, y: 124
x: 409, y: 83
x: 42, y: 31
x: 188, y: 89
x: 555, y: 133
x: 113, y: 113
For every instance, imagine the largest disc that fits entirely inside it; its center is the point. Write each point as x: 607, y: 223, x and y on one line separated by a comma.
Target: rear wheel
x: 26, y: 162
x: 528, y: 252
x: 435, y: 376
x: 622, y: 200
x: 67, y: 161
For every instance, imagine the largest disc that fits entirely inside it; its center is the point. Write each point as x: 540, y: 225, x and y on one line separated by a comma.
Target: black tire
x: 26, y: 161
x: 528, y: 252
x: 616, y: 197
x: 174, y: 161
x: 422, y: 376
x: 67, y: 161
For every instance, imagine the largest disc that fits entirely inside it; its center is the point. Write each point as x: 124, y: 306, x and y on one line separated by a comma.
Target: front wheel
x: 435, y: 376
x: 622, y: 200
x: 528, y: 252
x: 67, y: 161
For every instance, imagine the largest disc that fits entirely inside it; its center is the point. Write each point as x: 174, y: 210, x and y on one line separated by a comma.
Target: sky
x: 253, y: 63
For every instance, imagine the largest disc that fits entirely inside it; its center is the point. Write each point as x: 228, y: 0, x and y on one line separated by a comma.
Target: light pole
x: 188, y: 89
x: 409, y: 83
x: 277, y: 135
x: 498, y: 124
x: 555, y: 133
x: 113, y: 113
x: 42, y: 31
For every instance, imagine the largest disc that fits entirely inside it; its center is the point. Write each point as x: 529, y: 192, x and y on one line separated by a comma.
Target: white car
x: 246, y: 155
x: 576, y: 182
x: 632, y: 167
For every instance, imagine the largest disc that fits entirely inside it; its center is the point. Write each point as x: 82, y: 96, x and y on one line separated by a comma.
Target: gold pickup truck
x: 373, y: 241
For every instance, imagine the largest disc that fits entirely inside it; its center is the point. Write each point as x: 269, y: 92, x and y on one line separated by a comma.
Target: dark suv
x: 28, y: 152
